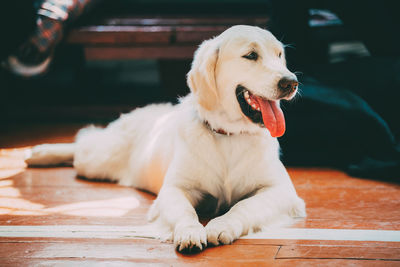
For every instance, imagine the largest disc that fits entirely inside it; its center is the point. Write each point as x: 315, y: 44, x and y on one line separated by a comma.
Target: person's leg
x: 34, y: 56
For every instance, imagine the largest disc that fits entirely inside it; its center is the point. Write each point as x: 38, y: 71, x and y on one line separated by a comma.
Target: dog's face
x: 242, y: 73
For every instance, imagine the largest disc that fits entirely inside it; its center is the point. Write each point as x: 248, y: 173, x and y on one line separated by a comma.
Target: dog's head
x: 239, y: 78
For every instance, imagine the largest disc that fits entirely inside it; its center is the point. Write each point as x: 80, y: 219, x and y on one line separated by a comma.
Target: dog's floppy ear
x: 201, y: 77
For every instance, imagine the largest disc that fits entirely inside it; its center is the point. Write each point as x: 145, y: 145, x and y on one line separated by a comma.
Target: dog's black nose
x: 287, y: 85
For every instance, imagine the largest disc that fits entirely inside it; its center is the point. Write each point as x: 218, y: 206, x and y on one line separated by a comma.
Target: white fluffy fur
x: 169, y: 150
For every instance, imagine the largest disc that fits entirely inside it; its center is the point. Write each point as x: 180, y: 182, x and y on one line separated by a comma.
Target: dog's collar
x: 223, y: 132
x: 218, y: 131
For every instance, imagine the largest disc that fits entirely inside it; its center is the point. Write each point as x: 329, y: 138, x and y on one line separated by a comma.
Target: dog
x: 219, y: 142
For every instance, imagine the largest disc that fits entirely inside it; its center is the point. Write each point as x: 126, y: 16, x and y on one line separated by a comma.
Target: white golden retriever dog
x: 219, y: 143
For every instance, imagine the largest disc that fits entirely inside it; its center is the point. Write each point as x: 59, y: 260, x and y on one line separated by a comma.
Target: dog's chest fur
x: 241, y: 159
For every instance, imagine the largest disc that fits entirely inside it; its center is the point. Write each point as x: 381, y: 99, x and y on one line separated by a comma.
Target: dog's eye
x: 251, y: 56
x: 280, y: 55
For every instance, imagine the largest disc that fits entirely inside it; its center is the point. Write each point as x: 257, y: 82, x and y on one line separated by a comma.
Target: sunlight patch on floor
x: 107, y: 208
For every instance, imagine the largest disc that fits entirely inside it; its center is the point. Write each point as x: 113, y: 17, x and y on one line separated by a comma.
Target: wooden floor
x: 48, y: 217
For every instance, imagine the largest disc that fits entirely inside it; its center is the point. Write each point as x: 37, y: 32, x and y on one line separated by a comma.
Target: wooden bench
x: 152, y: 37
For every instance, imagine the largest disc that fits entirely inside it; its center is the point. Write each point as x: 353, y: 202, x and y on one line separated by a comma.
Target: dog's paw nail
x: 190, y: 238
x: 220, y: 232
x: 212, y: 238
x: 225, y: 238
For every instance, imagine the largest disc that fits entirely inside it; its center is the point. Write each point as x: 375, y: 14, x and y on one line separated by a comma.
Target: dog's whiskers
x: 292, y: 46
x: 298, y: 73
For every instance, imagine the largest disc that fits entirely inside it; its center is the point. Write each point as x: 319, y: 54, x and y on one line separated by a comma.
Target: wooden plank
x: 168, y: 262
x: 149, y: 52
x: 183, y: 21
x: 327, y: 234
x: 54, y: 195
x: 149, y: 252
x: 52, y: 177
x: 132, y: 262
x: 137, y: 249
x: 334, y: 262
x: 352, y: 203
x: 121, y: 35
x: 150, y: 231
x: 156, y: 30
x: 73, y: 205
x: 131, y: 219
x: 243, y: 241
x: 137, y: 35
x: 348, y: 223
x: 28, y: 262
x: 339, y: 243
x: 338, y: 252
x: 321, y: 177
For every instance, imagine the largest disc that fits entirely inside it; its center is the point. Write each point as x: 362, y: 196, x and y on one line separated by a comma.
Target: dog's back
x: 114, y: 152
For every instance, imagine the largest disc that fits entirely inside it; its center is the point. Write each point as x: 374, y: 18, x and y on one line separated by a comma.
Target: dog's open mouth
x: 261, y: 111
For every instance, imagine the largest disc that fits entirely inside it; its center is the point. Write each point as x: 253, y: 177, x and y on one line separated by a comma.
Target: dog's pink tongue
x: 273, y: 116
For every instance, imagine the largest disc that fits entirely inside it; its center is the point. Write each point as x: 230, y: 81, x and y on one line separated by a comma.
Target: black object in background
x: 347, y: 116
x: 17, y: 21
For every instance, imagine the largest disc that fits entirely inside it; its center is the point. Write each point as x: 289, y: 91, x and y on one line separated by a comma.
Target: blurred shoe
x: 34, y: 56
x: 28, y: 61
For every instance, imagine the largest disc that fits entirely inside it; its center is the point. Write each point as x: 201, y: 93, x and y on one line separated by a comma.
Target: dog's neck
x: 227, y: 129
x: 218, y: 131
x: 217, y: 122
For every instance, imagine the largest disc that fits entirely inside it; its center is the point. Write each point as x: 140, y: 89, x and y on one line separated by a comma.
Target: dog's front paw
x: 223, y: 231
x: 190, y: 237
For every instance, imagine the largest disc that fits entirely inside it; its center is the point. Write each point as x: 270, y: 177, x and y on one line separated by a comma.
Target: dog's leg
x: 175, y: 208
x: 253, y: 213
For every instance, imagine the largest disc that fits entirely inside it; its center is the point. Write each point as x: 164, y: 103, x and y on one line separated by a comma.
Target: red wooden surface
x: 143, y: 52
x: 121, y: 35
